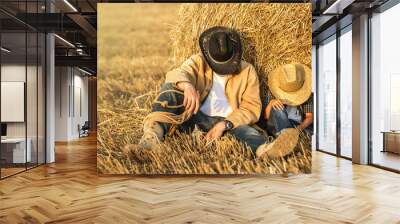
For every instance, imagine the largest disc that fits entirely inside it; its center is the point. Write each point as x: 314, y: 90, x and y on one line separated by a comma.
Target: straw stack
x: 272, y: 34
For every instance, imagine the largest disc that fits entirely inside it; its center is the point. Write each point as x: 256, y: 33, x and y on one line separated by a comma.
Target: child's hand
x: 277, y: 104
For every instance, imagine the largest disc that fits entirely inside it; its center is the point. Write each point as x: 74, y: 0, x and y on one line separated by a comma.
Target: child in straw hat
x: 289, y: 103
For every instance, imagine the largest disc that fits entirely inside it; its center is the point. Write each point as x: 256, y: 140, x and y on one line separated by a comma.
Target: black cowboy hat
x: 222, y: 49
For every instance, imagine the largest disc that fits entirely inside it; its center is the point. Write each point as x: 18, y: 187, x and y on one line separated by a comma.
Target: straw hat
x: 291, y: 83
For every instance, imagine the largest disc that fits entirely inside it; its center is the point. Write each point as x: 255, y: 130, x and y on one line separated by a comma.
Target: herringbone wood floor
x: 70, y: 191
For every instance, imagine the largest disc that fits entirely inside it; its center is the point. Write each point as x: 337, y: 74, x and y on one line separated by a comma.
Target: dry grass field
x: 139, y: 43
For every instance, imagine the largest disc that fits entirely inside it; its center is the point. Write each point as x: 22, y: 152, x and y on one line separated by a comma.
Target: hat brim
x: 230, y: 66
x: 290, y: 98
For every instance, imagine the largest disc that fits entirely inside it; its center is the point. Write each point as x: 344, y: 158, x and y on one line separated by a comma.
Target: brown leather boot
x: 283, y: 145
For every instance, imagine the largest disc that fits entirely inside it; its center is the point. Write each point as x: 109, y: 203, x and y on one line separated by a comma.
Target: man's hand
x: 216, y: 132
x: 277, y: 104
x: 191, y: 97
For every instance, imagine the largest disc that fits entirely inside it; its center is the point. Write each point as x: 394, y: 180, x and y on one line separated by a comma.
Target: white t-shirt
x: 216, y: 103
x: 294, y: 114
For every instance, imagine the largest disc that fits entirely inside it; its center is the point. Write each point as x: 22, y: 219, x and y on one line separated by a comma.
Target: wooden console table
x: 391, y: 141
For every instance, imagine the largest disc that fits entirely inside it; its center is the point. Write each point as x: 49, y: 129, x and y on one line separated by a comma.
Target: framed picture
x: 204, y: 88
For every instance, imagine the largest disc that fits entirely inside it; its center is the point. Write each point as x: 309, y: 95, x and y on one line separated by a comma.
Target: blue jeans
x: 244, y: 133
x: 279, y: 120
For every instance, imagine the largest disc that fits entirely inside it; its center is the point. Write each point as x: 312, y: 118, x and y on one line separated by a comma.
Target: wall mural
x: 204, y: 88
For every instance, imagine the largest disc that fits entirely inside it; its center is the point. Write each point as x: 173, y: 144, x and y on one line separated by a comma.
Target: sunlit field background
x: 137, y: 45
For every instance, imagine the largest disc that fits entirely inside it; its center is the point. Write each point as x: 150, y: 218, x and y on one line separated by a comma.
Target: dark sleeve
x: 308, y: 106
x: 269, y: 96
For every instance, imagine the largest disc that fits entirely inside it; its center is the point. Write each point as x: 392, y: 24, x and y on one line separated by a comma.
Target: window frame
x: 334, y: 37
x: 381, y: 9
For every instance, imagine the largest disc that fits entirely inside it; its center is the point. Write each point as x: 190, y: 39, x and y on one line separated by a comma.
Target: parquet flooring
x: 70, y: 191
x: 11, y: 170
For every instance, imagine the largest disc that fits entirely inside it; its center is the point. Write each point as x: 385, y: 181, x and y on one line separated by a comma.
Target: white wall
x: 16, y: 73
x: 81, y: 108
x: 62, y: 81
x: 12, y: 73
x: 33, y: 127
x: 71, y: 102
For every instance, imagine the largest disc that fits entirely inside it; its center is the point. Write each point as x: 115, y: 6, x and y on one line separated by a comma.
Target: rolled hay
x: 272, y: 34
x: 128, y: 84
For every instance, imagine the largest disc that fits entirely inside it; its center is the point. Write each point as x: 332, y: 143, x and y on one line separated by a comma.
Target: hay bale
x: 129, y: 82
x: 272, y: 34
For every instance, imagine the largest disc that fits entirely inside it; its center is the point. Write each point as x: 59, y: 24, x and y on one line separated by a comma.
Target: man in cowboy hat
x: 290, y: 101
x: 221, y: 94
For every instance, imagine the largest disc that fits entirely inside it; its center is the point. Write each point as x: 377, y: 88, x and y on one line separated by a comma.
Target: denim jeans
x: 279, y: 120
x: 244, y: 133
